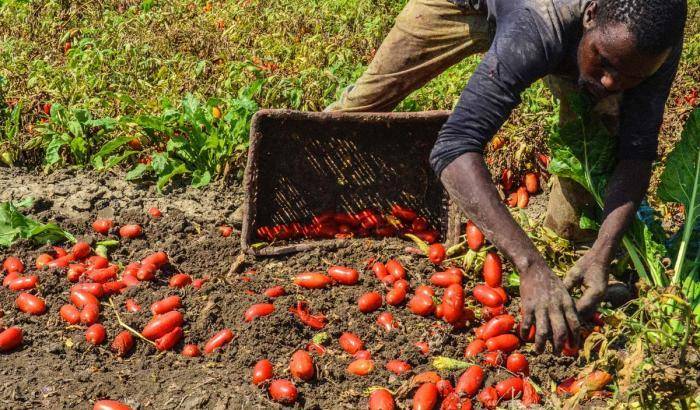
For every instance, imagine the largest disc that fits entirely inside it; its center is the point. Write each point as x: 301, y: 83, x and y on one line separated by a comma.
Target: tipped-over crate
x: 303, y: 163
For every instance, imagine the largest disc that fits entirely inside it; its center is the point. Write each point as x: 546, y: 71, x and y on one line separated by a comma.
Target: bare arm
x: 546, y: 302
x: 624, y: 192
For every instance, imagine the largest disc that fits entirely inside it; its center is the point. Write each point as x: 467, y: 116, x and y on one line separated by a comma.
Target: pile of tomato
x: 366, y: 223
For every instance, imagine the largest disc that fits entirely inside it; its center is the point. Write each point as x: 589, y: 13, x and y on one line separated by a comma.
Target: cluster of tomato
x: 366, y: 223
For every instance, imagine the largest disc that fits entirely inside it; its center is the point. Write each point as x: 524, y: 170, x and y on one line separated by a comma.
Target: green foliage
x: 14, y: 225
x: 583, y: 150
x: 680, y: 182
x: 69, y: 135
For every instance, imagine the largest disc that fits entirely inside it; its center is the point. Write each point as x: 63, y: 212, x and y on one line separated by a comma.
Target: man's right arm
x: 516, y: 59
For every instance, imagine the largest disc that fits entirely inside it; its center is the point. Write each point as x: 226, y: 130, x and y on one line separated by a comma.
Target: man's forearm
x: 469, y: 183
x: 625, y: 191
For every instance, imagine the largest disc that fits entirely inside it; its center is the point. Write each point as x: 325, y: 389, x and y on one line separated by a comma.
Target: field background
x: 127, y: 62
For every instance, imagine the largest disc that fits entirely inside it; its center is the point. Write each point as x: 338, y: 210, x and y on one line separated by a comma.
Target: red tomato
x: 530, y: 395
x: 394, y: 268
x: 517, y: 363
x: 81, y: 298
x: 258, y: 310
x: 379, y: 269
x: 494, y: 359
x: 569, y: 350
x: 453, y: 304
x: 10, y: 339
x: 444, y: 387
x: 369, y: 302
x: 343, y: 275
x: 362, y: 354
x: 81, y: 250
x: 489, y: 313
x: 13, y: 265
x: 162, y: 324
x: 166, y: 305
x: 30, y: 304
x: 350, y: 342
x: 386, y: 321
x: 95, y: 334
x: 426, y: 397
x: 302, y: 365
x: 10, y: 277
x: 449, y: 401
x: 487, y: 296
x: 23, y: 283
x: 197, y: 283
x: 262, y: 371
x: 436, y: 253
x: 402, y: 284
x: 113, y: 287
x: 509, y: 388
x: 169, y: 340
x: 218, y: 340
x: 155, y: 212
x: 157, y: 259
x: 132, y: 306
x: 361, y: 367
x: 419, y: 224
x: 421, y: 305
x: 147, y: 272
x: 97, y: 262
x: 275, y: 292
x: 130, y: 231
x: 403, y: 213
x: 312, y: 280
x: 226, y: 231
x: 425, y: 290
x: 381, y: 399
x: 488, y: 397
x: 497, y: 326
x: 95, y: 289
x: 283, y: 391
x: 470, y: 381
x: 43, y: 260
x: 474, y: 348
x: 110, y: 405
x: 179, y: 280
x: 396, y: 296
x: 103, y: 275
x: 75, y: 271
x: 423, y: 347
x: 493, y: 270
x: 123, y: 343
x: 445, y: 279
x: 191, y: 350
x: 523, y: 197
x: 504, y: 343
x: 90, y: 314
x: 398, y: 366
x: 475, y: 239
x: 70, y: 314
x: 102, y: 226
x: 532, y: 183
x: 507, y: 179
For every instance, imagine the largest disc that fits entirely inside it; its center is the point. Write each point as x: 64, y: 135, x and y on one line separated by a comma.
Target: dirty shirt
x: 535, y: 38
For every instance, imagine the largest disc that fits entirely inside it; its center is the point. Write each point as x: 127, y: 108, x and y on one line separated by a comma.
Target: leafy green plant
x: 197, y: 142
x: 583, y: 150
x: 69, y: 135
x: 9, y: 127
x: 14, y: 225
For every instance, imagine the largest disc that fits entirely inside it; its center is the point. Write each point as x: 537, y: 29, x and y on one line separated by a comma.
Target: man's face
x: 608, y: 60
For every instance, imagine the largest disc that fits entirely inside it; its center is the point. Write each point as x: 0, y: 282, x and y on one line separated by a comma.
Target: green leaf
x: 680, y: 182
x: 112, y: 146
x: 586, y: 222
x: 200, y: 178
x: 165, y: 177
x: 137, y: 172
x: 14, y: 225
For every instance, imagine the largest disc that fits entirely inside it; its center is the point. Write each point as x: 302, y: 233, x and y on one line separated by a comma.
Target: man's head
x: 626, y: 41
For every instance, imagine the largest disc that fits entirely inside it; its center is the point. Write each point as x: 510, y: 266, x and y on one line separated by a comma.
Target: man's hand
x: 547, y: 305
x: 593, y: 275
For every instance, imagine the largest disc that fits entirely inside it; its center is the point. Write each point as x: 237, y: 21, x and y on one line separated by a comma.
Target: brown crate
x: 302, y: 163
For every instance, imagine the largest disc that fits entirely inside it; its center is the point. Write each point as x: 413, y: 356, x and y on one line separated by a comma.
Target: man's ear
x: 590, y: 14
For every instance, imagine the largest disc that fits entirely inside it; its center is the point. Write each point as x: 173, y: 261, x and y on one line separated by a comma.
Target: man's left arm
x: 625, y: 191
x: 641, y: 115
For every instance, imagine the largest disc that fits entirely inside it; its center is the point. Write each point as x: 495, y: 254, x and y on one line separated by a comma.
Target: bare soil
x: 57, y: 368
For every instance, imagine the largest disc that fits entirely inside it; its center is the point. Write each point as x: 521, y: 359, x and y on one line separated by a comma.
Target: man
x: 623, y: 53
